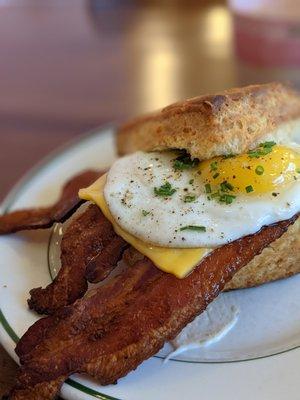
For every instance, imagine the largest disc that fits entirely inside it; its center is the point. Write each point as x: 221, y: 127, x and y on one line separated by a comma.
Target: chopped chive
x: 215, y: 195
x: 259, y: 153
x: 253, y: 154
x: 191, y: 181
x: 226, y: 198
x: 225, y: 186
x: 185, y: 162
x: 165, y: 190
x: 298, y: 170
x: 189, y: 198
x: 259, y: 170
x: 228, y: 156
x: 268, y: 144
x: 249, y: 189
x: 229, y: 186
x: 262, y: 149
x: 207, y: 188
x: 145, y: 213
x: 229, y: 199
x: 221, y: 196
x: 198, y: 228
x: 216, y: 175
x: 214, y: 166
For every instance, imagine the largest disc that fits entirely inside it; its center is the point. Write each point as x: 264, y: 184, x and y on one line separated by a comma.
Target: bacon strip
x: 40, y: 218
x: 89, y: 239
x: 101, y: 266
x: 117, y: 326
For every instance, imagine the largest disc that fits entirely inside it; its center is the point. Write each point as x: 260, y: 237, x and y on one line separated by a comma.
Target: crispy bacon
x: 40, y: 218
x: 112, y: 330
x: 100, y: 266
x: 88, y: 240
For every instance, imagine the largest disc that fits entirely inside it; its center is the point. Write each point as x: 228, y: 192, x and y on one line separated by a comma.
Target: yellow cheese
x: 179, y: 262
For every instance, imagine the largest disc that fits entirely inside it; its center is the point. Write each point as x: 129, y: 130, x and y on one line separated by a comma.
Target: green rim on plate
x: 6, y: 206
x: 8, y: 203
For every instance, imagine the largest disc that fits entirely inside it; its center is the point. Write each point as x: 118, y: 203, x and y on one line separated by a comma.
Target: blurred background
x: 67, y: 66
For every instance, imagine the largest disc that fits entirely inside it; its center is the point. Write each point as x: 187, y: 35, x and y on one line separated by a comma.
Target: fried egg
x: 155, y: 198
x: 176, y: 210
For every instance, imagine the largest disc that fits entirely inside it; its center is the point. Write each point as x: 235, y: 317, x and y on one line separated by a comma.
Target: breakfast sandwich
x: 205, y: 172
x: 205, y: 198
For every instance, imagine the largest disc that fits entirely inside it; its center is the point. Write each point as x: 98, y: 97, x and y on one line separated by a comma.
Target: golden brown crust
x: 228, y: 122
x: 279, y: 260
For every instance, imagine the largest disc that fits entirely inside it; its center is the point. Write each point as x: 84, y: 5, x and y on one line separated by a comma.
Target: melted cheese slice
x: 179, y: 262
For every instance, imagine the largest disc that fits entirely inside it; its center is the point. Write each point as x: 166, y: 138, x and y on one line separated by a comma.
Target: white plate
x: 269, y: 319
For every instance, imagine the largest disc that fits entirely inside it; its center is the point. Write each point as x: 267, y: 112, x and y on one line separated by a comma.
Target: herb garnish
x: 215, y: 195
x: 145, y: 213
x: 298, y: 170
x: 262, y: 150
x: 207, y: 188
x: 184, y: 161
x: 214, y: 166
x: 222, y: 194
x: 191, y: 181
x: 225, y: 186
x: 165, y: 190
x: 216, y: 175
x: 198, y: 228
x: 189, y: 198
x: 259, y: 170
x: 228, y: 156
x: 249, y: 188
x: 226, y: 198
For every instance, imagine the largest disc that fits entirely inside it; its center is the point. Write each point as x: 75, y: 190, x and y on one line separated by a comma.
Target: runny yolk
x: 253, y: 174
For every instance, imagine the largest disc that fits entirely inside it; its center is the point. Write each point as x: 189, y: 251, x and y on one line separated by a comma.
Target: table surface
x: 68, y: 66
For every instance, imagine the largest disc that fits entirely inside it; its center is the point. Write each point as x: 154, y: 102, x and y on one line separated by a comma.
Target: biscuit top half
x: 229, y: 122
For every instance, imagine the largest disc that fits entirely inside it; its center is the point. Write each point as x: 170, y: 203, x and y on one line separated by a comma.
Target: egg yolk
x: 253, y: 172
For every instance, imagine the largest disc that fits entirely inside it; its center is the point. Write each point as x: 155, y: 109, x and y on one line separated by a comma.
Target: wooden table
x: 67, y: 66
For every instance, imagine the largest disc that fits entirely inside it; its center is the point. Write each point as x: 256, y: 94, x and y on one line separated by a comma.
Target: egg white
x: 129, y: 194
